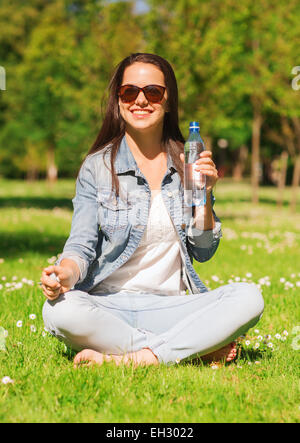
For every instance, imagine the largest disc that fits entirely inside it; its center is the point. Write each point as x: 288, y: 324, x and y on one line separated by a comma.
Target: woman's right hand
x: 68, y: 275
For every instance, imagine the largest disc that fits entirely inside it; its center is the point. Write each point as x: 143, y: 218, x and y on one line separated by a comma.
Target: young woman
x: 126, y: 267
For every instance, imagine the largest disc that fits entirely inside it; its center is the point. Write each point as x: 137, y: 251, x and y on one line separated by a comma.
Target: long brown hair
x: 113, y: 126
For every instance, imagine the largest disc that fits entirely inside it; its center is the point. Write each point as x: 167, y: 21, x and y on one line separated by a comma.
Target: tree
x: 229, y: 60
x: 56, y: 88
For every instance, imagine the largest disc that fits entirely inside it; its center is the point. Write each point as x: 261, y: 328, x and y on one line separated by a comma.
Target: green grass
x: 260, y: 386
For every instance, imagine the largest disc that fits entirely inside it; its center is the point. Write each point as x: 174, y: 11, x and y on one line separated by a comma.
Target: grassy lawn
x: 260, y: 244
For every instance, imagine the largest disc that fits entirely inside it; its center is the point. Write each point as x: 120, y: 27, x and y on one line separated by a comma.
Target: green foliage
x: 55, y: 91
x: 228, y: 56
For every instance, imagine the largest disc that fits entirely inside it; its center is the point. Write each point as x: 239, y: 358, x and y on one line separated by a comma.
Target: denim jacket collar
x: 125, y: 161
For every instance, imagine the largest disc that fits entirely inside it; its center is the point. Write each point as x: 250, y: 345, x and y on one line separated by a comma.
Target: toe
x: 81, y: 356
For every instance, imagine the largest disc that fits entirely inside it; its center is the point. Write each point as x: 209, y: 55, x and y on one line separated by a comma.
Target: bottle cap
x: 194, y: 126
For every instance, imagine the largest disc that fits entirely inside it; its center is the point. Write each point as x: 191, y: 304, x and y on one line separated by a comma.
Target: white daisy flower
x: 19, y: 324
x: 285, y: 333
x: 5, y: 380
x: 32, y: 328
x: 257, y: 362
x: 270, y: 345
x: 247, y: 342
x: 278, y: 336
x: 256, y: 331
x: 32, y: 316
x: 256, y: 346
x: 214, y: 367
x: 248, y: 275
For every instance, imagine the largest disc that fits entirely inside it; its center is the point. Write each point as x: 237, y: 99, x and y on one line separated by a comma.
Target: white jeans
x: 173, y: 327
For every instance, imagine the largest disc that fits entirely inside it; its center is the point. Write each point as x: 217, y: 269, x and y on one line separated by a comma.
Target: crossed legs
x: 150, y: 329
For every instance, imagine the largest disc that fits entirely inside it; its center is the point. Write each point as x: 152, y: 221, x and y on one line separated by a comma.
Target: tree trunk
x: 256, y: 128
x: 295, y: 184
x: 296, y: 172
x: 208, y: 143
x: 240, y: 164
x: 32, y: 174
x: 51, y: 166
x: 282, y: 179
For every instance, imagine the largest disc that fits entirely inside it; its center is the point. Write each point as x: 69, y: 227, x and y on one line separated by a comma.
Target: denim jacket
x: 107, y: 229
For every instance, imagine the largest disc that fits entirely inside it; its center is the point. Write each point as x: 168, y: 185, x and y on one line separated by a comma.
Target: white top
x: 155, y: 266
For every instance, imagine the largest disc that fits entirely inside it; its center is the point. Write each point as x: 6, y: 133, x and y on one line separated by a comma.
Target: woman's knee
x: 251, y: 299
x: 65, y: 312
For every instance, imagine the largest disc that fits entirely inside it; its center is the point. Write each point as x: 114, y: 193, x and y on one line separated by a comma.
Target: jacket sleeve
x: 81, y: 244
x: 203, y: 244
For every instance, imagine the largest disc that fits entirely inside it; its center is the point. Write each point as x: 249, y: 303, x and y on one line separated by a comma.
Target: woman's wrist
x: 70, y: 264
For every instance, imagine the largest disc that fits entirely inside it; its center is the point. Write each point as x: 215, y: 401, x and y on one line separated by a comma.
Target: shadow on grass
x: 17, y: 243
x: 253, y: 355
x: 36, y: 202
x: 250, y: 355
x: 263, y: 200
x: 63, y: 202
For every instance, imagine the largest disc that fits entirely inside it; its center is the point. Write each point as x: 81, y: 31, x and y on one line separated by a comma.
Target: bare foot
x: 89, y: 357
x: 227, y: 353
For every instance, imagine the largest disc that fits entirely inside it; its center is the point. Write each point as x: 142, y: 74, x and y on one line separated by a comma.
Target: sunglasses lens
x: 154, y: 93
x: 128, y: 93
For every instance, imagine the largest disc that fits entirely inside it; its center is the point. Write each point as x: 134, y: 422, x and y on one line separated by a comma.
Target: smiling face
x: 141, y: 114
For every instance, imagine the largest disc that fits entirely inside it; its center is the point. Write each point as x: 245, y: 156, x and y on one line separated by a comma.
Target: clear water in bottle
x: 194, y: 181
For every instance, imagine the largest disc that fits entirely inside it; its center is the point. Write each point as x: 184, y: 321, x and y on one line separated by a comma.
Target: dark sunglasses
x: 153, y: 93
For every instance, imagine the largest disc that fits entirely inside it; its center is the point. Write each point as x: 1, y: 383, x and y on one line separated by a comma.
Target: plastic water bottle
x: 194, y: 181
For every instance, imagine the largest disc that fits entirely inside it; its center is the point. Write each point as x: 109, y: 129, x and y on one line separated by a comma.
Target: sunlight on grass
x: 260, y: 245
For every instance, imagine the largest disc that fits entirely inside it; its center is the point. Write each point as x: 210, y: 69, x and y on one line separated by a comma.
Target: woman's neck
x: 144, y: 146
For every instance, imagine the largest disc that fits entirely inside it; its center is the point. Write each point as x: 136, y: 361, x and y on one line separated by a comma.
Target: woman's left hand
x: 207, y: 167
